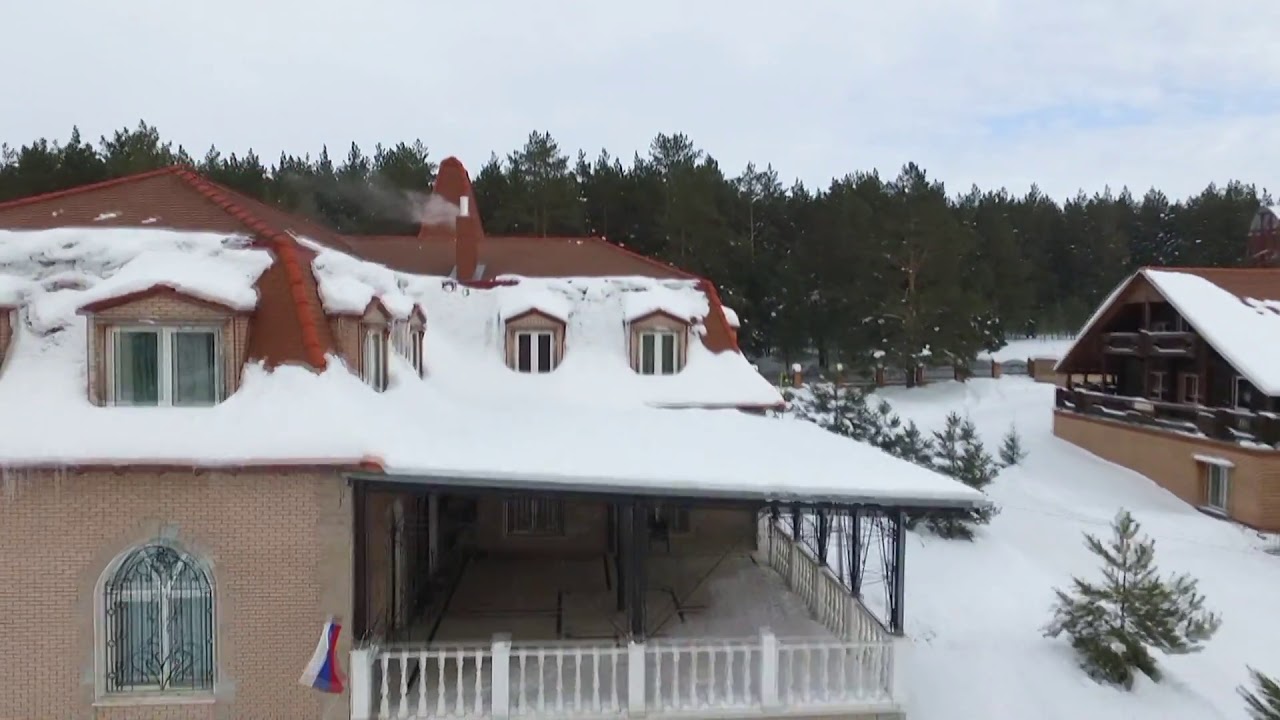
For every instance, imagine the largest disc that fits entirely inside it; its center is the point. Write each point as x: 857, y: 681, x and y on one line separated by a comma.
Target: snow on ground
x: 1031, y: 348
x: 974, y: 610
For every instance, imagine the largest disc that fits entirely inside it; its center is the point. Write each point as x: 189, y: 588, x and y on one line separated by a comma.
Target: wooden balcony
x: 1146, y: 343
x: 1226, y: 424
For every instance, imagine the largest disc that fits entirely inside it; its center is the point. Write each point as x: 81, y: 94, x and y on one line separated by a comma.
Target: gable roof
x: 1235, y: 310
x: 289, y: 318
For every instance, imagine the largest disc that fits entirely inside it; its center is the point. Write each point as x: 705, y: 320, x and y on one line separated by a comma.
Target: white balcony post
x: 500, y: 682
x: 899, y: 648
x: 635, y: 679
x: 768, y: 669
x: 793, y: 579
x: 362, y: 660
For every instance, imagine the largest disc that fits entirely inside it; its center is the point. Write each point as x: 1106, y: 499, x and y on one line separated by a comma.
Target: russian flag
x: 322, y: 672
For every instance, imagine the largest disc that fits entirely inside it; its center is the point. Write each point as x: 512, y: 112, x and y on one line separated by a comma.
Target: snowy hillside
x: 974, y: 611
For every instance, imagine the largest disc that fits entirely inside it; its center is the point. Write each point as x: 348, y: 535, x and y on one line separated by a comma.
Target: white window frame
x: 373, y: 340
x: 1223, y: 475
x: 165, y: 334
x: 1158, y: 384
x: 537, y: 507
x: 100, y: 630
x: 658, y: 335
x: 534, y: 354
x: 1192, y: 397
x: 417, y: 337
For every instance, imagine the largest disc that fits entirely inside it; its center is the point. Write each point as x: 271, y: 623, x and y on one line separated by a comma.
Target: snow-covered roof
x: 1244, y: 330
x: 465, y: 336
x: 731, y: 316
x: 54, y: 273
x: 592, y: 427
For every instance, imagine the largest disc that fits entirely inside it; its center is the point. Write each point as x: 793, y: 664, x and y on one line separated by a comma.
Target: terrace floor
x: 542, y: 598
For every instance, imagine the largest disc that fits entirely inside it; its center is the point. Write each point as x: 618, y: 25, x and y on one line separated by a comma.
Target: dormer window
x: 535, y: 341
x: 151, y: 366
x: 659, y: 352
x: 373, y: 357
x: 535, y: 351
x: 417, y: 336
x: 657, y: 343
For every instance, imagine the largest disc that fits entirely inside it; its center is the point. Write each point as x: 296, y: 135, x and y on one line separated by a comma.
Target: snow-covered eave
x: 1263, y: 384
x: 152, y: 464
x: 191, y: 295
x: 675, y: 488
x: 1232, y: 359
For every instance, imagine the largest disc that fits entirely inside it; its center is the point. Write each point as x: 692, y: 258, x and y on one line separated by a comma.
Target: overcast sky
x: 1069, y: 94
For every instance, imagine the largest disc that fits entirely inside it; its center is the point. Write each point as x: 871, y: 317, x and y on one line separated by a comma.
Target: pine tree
x: 1113, y: 626
x: 1264, y: 702
x: 913, y: 446
x: 1011, y: 450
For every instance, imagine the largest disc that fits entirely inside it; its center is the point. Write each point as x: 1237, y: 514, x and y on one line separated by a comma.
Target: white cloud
x: 817, y: 88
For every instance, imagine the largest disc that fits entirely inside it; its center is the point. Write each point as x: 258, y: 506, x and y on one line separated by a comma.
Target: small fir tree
x: 1011, y: 450
x: 1113, y: 626
x: 959, y: 453
x: 911, y: 445
x: 1263, y: 702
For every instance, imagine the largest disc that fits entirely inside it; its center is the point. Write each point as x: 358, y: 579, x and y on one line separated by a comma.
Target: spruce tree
x: 1263, y: 703
x: 1011, y: 450
x: 913, y: 446
x: 1114, y: 625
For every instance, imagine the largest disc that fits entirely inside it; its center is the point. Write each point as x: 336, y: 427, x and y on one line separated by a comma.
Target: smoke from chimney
x: 434, y: 210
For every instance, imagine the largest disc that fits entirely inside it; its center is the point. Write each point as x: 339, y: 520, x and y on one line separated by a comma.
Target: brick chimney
x: 1263, y: 246
x: 465, y: 230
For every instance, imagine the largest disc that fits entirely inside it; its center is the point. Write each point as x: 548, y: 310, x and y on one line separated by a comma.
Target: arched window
x: 158, y: 624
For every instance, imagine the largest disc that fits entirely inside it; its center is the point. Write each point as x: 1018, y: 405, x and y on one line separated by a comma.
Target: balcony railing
x: 1258, y: 429
x: 859, y: 671
x: 1147, y: 343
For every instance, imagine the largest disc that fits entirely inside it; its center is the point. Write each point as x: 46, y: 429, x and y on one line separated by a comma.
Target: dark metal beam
x: 607, y: 490
x: 855, y: 552
x: 897, y: 616
x: 636, y: 613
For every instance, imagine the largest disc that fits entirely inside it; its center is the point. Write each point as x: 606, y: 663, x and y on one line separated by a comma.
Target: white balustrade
x: 860, y: 670
x: 661, y: 678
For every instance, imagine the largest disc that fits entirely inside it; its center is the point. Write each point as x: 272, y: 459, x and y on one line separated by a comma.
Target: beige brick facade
x: 173, y: 309
x: 1169, y: 459
x: 279, y: 546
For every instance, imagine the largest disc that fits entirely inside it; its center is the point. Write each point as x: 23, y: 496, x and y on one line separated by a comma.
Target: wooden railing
x: 1226, y: 424
x: 1146, y: 343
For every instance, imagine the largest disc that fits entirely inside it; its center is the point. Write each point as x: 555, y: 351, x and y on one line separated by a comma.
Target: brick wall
x: 172, y: 309
x: 280, y: 551
x: 1169, y: 459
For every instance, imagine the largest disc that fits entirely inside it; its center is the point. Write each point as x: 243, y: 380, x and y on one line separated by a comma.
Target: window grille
x: 159, y: 625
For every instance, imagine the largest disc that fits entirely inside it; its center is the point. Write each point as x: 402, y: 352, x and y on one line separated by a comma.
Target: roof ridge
x: 286, y: 250
x: 111, y: 182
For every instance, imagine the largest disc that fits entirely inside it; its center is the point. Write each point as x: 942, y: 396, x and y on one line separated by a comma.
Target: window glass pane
x: 190, y: 640
x: 194, y: 368
x: 544, y: 352
x: 668, y: 354
x: 137, y: 367
x: 524, y: 352
x: 374, y: 350
x: 134, y: 652
x: 647, y: 353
